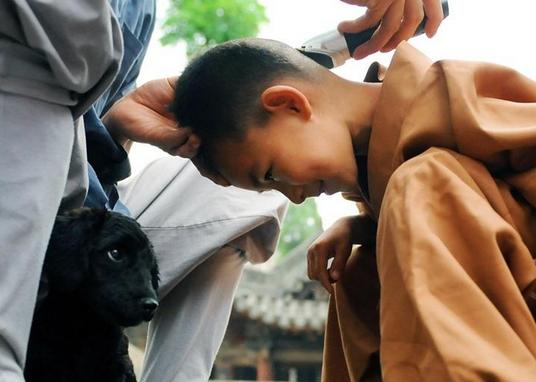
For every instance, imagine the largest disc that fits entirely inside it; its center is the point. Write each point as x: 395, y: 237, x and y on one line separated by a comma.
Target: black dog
x: 99, y: 275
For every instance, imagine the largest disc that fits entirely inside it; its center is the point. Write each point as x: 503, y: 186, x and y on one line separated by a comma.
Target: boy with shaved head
x: 443, y: 158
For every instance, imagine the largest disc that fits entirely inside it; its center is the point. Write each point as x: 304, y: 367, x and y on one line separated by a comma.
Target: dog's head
x: 104, y: 259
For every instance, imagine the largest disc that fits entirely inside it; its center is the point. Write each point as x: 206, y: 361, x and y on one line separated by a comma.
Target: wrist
x: 113, y: 125
x: 362, y: 229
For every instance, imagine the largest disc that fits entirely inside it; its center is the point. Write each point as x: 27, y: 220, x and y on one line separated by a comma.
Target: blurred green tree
x: 301, y: 222
x: 204, y: 23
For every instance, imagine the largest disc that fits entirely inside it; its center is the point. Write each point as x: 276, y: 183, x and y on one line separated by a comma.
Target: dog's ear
x: 69, y: 247
x: 85, y: 218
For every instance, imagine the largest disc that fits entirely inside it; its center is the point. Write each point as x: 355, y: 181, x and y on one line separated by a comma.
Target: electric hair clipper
x: 332, y: 49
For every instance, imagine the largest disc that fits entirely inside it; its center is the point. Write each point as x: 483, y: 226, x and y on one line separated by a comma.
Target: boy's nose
x: 295, y: 194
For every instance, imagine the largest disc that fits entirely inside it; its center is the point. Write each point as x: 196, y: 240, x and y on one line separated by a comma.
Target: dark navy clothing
x: 108, y: 161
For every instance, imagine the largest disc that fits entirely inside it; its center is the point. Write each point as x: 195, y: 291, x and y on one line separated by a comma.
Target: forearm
x: 362, y: 228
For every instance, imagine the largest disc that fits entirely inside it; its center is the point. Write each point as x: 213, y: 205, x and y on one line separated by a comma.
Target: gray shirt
x: 63, y: 52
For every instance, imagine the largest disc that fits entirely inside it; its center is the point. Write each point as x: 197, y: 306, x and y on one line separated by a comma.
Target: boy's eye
x: 268, y: 176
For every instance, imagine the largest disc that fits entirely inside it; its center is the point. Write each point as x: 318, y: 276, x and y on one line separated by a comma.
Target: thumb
x: 342, y: 253
x: 189, y: 148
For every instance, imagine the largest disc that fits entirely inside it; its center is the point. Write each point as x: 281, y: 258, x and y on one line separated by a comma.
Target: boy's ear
x: 286, y: 98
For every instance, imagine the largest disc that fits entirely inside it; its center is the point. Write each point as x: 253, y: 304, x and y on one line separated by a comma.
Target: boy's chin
x: 350, y: 187
x: 330, y: 189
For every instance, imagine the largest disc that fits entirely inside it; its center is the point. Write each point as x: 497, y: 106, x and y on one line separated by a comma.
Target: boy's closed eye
x: 269, y: 177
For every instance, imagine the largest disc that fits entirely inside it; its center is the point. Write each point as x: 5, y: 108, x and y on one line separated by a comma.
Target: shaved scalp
x: 218, y: 94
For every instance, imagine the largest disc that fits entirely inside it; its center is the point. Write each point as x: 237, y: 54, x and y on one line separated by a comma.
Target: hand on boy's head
x: 398, y: 21
x: 143, y: 116
x: 336, y: 242
x: 189, y: 146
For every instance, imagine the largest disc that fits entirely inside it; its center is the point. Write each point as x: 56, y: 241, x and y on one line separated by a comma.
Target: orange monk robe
x: 452, y: 182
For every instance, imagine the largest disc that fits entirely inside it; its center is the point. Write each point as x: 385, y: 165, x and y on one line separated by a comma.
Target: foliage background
x: 205, y: 23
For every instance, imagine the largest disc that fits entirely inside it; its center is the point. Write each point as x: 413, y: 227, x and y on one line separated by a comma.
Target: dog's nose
x: 149, y: 305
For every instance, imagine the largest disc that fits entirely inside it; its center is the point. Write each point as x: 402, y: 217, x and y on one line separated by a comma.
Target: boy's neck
x: 357, y: 108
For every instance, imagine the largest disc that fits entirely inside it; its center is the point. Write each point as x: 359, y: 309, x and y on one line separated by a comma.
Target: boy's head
x: 266, y: 119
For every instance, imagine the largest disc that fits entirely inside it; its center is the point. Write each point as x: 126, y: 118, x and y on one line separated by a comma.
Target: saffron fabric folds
x: 452, y: 183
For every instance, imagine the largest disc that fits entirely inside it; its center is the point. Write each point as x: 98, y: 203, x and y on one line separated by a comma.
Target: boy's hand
x: 337, y: 242
x: 398, y: 21
x: 143, y: 116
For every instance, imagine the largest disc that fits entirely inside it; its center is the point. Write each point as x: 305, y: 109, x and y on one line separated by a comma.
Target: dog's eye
x: 115, y: 255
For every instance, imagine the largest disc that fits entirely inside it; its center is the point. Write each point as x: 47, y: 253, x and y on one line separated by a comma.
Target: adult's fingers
x: 390, y: 23
x: 368, y: 20
x: 371, y: 18
x: 188, y: 147
x: 434, y: 13
x: 413, y: 15
x: 356, y: 2
x: 172, y: 81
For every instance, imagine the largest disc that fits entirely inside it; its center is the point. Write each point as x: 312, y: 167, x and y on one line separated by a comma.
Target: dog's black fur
x: 99, y: 275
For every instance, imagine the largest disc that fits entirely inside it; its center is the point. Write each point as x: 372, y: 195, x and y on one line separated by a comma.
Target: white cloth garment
x: 203, y: 234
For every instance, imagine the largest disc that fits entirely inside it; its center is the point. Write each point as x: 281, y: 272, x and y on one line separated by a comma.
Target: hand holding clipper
x: 333, y: 48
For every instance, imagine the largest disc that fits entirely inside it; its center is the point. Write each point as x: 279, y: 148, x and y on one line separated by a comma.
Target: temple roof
x: 284, y: 296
